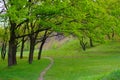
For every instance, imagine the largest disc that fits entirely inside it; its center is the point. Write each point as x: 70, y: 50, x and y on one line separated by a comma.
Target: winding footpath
x: 42, y: 74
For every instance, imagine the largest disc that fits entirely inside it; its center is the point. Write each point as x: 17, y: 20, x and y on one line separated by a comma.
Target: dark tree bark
x: 22, y: 48
x: 3, y: 50
x: 32, y: 47
x: 83, y: 44
x: 108, y: 35
x: 113, y: 33
x: 91, y: 42
x: 42, y: 44
x: 40, y: 49
x: 12, y: 52
x: 29, y: 0
x: 12, y: 46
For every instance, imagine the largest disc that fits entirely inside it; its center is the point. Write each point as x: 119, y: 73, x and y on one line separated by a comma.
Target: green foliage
x: 3, y: 34
x: 17, y: 13
x: 84, y: 18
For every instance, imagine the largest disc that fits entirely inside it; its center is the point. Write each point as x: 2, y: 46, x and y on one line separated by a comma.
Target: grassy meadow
x: 70, y: 63
x: 22, y: 71
x: 74, y: 64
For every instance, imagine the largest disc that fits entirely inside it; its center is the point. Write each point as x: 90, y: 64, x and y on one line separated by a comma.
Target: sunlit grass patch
x: 23, y: 70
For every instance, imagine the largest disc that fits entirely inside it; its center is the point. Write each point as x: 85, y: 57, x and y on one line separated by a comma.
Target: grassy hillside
x: 71, y: 63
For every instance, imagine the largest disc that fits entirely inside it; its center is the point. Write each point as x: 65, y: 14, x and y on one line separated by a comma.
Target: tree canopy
x: 37, y: 19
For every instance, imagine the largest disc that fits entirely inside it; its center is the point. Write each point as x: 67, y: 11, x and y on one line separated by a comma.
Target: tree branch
x: 32, y: 33
x: 5, y: 4
x: 21, y: 23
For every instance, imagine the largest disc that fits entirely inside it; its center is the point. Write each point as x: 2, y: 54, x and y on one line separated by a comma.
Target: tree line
x: 36, y: 20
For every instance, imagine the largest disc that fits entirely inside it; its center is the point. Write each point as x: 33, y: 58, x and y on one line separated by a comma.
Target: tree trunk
x: 42, y: 44
x: 12, y: 46
x: 91, y: 42
x: 22, y: 48
x: 32, y: 46
x: 12, y: 53
x: 113, y: 34
x: 40, y: 49
x: 108, y: 35
x: 83, y: 44
x: 3, y: 50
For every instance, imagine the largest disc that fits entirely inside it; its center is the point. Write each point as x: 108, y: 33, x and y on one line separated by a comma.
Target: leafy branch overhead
x: 34, y: 21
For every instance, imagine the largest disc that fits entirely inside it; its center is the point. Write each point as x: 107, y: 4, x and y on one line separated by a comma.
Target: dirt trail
x: 42, y: 74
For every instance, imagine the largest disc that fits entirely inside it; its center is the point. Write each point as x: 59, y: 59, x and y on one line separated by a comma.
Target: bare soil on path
x: 42, y: 74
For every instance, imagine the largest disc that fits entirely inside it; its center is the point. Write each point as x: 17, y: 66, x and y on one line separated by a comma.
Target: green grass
x: 22, y: 71
x: 71, y: 63
x: 115, y: 75
x: 74, y: 64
